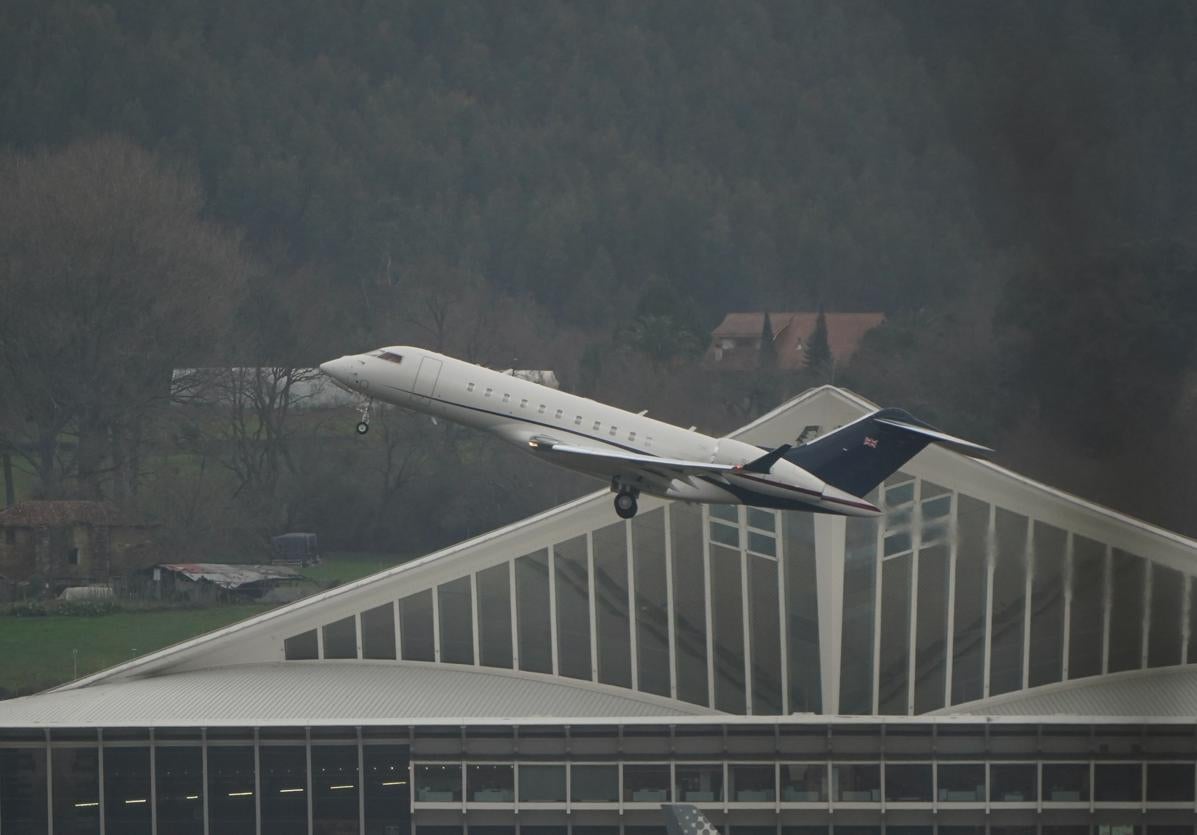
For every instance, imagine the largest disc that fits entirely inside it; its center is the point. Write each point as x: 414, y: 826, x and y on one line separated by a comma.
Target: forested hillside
x: 591, y: 186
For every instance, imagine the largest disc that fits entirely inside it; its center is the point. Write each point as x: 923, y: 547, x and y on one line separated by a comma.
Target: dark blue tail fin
x: 859, y: 456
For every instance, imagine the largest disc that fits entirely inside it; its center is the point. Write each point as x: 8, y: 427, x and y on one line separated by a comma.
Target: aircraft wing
x: 614, y: 460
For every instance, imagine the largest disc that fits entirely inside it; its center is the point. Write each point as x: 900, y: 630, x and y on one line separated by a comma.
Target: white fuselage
x: 522, y: 412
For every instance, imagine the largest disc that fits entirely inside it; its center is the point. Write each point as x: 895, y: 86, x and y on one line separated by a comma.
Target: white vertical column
x: 1027, y: 602
x: 552, y: 566
x: 631, y: 561
x: 745, y: 626
x: 950, y: 625
x: 515, y: 617
x: 830, y: 533
x: 710, y: 609
x: 1069, y: 574
x: 1107, y: 595
x: 990, y: 561
x: 398, y: 631
x: 667, y: 521
x: 474, y: 618
x: 1148, y: 582
x: 916, y: 545
x: 878, y: 574
x: 594, y: 659
x: 782, y: 618
x: 436, y: 623
x: 1186, y: 614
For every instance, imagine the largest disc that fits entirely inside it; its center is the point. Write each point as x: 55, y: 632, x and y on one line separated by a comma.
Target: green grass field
x: 36, y: 652
x: 344, y: 566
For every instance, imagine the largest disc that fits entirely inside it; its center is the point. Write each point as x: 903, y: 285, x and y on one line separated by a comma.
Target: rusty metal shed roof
x: 231, y: 575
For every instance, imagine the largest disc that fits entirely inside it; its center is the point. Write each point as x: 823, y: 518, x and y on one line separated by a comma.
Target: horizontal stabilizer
x: 943, y: 439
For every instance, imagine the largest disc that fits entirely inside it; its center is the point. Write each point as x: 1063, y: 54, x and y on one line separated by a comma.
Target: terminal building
x: 990, y: 656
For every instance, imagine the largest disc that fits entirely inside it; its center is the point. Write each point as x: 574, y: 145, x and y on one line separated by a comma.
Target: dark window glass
x: 689, y: 603
x: 968, y: 647
x: 856, y: 782
x: 764, y: 640
x: 387, y: 808
x: 1009, y: 601
x: 961, y: 783
x: 856, y: 661
x: 596, y: 830
x: 930, y: 660
x: 762, y: 544
x: 542, y: 784
x: 909, y: 830
x: 231, y: 807
x: 908, y: 782
x: 490, y: 783
x: 440, y: 829
x: 1066, y: 782
x: 1012, y: 783
x: 752, y: 783
x: 1167, y: 606
x: 334, y: 789
x: 23, y: 790
x: 611, y: 605
x: 726, y: 512
x: 1047, y: 605
x: 1117, y: 782
x: 803, y: 782
x: 302, y: 647
x: 494, y: 616
x: 594, y: 783
x: 378, y: 632
x: 533, y: 612
x: 1088, y: 578
x: 573, y: 608
x: 1127, y: 576
x: 728, y: 629
x: 127, y: 790
x: 525, y: 829
x: 700, y: 783
x: 438, y: 783
x: 284, y: 784
x: 820, y: 829
x: 415, y: 627
x: 179, y: 781
x: 802, y: 612
x: 340, y: 639
x: 1192, y: 659
x: 646, y: 784
x: 76, y: 790
x: 893, y: 674
x: 1170, y: 782
x: 652, y: 614
x: 725, y: 534
x: 455, y: 610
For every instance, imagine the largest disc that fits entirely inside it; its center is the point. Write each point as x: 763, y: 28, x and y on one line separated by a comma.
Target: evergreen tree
x: 818, y: 350
x: 767, y: 358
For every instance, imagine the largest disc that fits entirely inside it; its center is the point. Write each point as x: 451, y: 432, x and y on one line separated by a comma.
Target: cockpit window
x: 390, y: 356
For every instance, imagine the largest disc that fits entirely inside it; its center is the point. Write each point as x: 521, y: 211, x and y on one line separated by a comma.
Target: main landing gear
x: 363, y: 425
x: 625, y: 501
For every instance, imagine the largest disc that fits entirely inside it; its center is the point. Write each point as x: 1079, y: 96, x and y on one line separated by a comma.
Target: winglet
x: 765, y: 463
x: 685, y: 819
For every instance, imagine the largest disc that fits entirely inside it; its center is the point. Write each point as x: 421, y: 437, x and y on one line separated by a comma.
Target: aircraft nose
x: 338, y: 369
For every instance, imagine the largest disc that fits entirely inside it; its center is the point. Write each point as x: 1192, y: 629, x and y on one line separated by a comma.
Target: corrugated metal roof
x: 231, y: 575
x: 295, y: 692
x: 1163, y: 692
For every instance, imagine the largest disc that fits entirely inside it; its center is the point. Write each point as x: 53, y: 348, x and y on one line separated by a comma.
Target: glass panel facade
x: 1117, y: 782
x: 231, y: 807
x: 594, y: 783
x: 533, y: 613
x: 1169, y: 782
x: 1167, y: 607
x: 646, y: 784
x: 1009, y: 600
x: 968, y: 647
x: 728, y: 639
x: 542, y: 783
x: 689, y: 602
x: 76, y: 775
x: 860, y: 567
x: 494, y: 616
x: 127, y: 807
x: 700, y: 783
x: 334, y: 789
x: 752, y: 783
x: 930, y: 659
x: 652, y: 614
x: 284, y: 784
x: 802, y: 612
x: 302, y: 647
x: 764, y: 641
x: 340, y: 639
x: 803, y: 782
x: 378, y: 632
x: 961, y: 782
x: 1066, y: 782
x: 416, y: 627
x: 490, y: 783
x: 23, y: 790
x: 437, y: 783
x: 179, y: 782
x: 893, y: 674
x: 386, y: 789
x: 856, y: 782
x: 908, y: 783
x: 1046, y: 662
x: 1127, y: 584
x: 611, y: 605
x: 1013, y: 783
x: 1088, y: 580
x: 455, y: 609
x: 573, y: 608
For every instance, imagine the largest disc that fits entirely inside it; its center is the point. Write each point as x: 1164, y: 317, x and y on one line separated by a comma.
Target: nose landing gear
x: 363, y: 425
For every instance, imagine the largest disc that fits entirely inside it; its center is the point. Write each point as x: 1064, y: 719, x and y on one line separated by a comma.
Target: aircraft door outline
x: 427, y: 377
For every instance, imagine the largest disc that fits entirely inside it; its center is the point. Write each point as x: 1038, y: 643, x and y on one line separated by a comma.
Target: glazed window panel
x: 334, y: 789
x: 652, y: 613
x: 231, y: 807
x: 803, y: 782
x: 388, y: 808
x: 764, y: 639
x: 340, y: 639
x: 1013, y: 783
x: 76, y: 777
x: 895, y: 635
x: 646, y: 783
x: 490, y: 783
x: 302, y: 647
x: 962, y: 782
x: 378, y: 632
x: 573, y: 608
x: 764, y: 520
x: 728, y: 629
x: 908, y: 783
x: 542, y: 783
x: 860, y: 570
x: 1170, y: 782
x: 1047, y: 605
x: 1009, y: 602
x: 1167, y: 608
x: 930, y: 661
x: 1066, y: 782
x: 437, y: 782
x: 1128, y: 578
x: 533, y: 617
x: 1117, y: 782
x: 751, y: 783
x: 23, y: 790
x: 594, y: 783
x: 968, y: 649
x: 1087, y: 578
x: 611, y: 605
x: 179, y: 782
x: 762, y: 544
x: 455, y: 609
x: 284, y: 781
x: 689, y: 603
x: 700, y: 783
x: 416, y: 626
x: 127, y: 790
x: 725, y: 534
x: 856, y: 782
x: 802, y: 612
x: 494, y: 616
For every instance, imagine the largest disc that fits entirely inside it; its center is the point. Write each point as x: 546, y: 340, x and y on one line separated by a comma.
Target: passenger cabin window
x: 469, y: 386
x: 631, y: 436
x: 488, y: 391
x: 648, y: 441
x: 389, y: 357
x: 578, y: 420
x: 540, y: 411
x: 614, y: 429
x: 506, y: 397
x: 524, y: 403
x: 597, y: 425
x: 560, y: 412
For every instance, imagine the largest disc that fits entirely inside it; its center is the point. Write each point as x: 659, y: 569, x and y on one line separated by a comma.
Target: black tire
x: 625, y: 505
x: 363, y: 428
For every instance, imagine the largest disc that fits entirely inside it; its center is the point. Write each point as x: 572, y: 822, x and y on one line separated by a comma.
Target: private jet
x: 636, y: 454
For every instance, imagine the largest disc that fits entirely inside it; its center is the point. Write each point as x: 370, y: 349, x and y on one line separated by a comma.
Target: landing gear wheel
x: 363, y: 428
x: 363, y: 425
x: 625, y: 505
